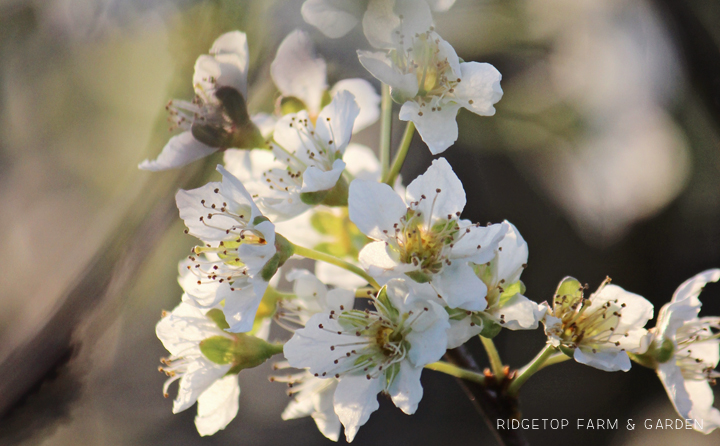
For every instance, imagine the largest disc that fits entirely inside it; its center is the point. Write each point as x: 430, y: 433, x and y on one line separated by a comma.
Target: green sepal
x: 259, y: 219
x: 217, y: 316
x: 250, y: 351
x: 283, y: 251
x: 490, y: 327
x: 336, y: 196
x: 244, y: 133
x: 243, y: 352
x: 419, y: 276
x: 218, y: 349
x: 567, y: 350
x: 291, y: 104
x: 655, y: 354
x: 313, y: 198
x: 326, y: 99
x: 384, y: 299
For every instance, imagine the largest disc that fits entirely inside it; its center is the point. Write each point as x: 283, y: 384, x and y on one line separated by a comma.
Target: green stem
x: 385, y: 129
x: 401, y: 154
x: 327, y: 258
x: 495, y: 362
x: 457, y: 372
x: 529, y: 370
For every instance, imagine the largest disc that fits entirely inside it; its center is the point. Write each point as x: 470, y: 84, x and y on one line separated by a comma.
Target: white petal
x: 382, y: 24
x: 428, y: 344
x: 674, y: 383
x: 200, y: 375
x: 362, y: 162
x: 336, y: 120
x: 376, y: 259
x: 315, y: 179
x: 265, y: 123
x: 380, y: 66
x: 406, y: 390
x: 481, y: 85
x: 366, y: 97
x: 355, y: 400
x: 461, y: 331
x: 334, y: 18
x: 691, y: 288
x: 440, y: 5
x: 479, y: 243
x: 248, y: 165
x: 218, y: 405
x: 513, y: 258
x: 298, y: 72
x: 179, y: 151
x: 437, y: 205
x: 701, y: 395
x: 375, y: 208
x: 338, y: 298
x: 309, y: 347
x: 460, y: 287
x: 520, y: 313
x: 241, y: 305
x: 608, y: 360
x: 437, y: 128
x: 637, y: 312
x: 334, y: 275
x: 226, y: 69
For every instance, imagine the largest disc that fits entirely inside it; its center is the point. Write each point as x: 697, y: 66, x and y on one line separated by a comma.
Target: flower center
x: 423, y: 58
x: 583, y: 323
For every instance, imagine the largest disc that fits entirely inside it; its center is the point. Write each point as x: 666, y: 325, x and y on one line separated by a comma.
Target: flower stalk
x: 531, y: 368
x: 397, y: 164
x: 327, y: 258
x: 385, y: 129
x: 457, y: 372
x: 496, y: 364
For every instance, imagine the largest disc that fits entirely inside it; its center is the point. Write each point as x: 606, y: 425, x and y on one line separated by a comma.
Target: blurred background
x: 604, y: 152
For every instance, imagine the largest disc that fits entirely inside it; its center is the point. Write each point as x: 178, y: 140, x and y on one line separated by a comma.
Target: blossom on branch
x: 685, y: 351
x: 601, y: 330
x: 370, y: 352
x: 217, y: 117
x: 423, y: 237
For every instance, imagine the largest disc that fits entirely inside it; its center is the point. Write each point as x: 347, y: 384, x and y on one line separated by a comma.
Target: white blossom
x: 201, y: 379
x: 216, y: 118
x: 599, y: 330
x: 427, y: 77
x: 423, y: 236
x: 306, y: 162
x: 335, y: 18
x: 312, y: 396
x: 238, y: 243
x: 506, y: 305
x: 300, y: 74
x: 370, y: 352
x: 693, y: 352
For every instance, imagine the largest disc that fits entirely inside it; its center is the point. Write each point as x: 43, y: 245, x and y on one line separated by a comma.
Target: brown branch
x: 490, y: 400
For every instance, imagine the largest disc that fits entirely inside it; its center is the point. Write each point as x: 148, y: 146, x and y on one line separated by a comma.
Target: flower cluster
x: 400, y: 276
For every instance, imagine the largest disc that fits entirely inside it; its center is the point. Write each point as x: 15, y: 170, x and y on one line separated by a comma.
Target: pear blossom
x: 427, y: 77
x: 306, y: 162
x: 238, y: 255
x: 300, y: 75
x: 423, y: 237
x: 312, y: 396
x: 601, y: 330
x: 335, y: 18
x: 687, y: 351
x: 506, y: 305
x: 370, y: 352
x: 201, y: 379
x: 217, y: 117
